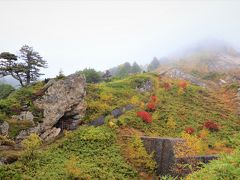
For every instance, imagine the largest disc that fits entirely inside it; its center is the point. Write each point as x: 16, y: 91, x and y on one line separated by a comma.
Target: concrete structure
x: 163, y: 149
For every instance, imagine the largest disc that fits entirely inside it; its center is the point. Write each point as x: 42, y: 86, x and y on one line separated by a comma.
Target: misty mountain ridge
x: 205, y: 56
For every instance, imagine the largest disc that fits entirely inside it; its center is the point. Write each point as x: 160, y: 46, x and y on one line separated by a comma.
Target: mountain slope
x: 206, y: 56
x: 172, y: 107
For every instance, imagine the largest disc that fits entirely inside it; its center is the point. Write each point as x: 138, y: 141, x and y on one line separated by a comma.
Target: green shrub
x: 212, y: 76
x: 226, y: 167
x: 13, y: 103
x: 30, y: 145
x: 95, y: 152
x: 91, y: 75
x: 15, y: 126
x: 3, y: 118
x: 5, y: 90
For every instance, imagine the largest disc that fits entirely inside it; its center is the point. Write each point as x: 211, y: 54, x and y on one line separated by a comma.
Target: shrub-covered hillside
x: 161, y: 107
x: 227, y: 167
x: 13, y: 104
x: 172, y: 107
x: 88, y: 153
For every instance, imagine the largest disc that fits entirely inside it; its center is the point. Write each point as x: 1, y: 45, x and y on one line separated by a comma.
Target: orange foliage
x: 182, y: 84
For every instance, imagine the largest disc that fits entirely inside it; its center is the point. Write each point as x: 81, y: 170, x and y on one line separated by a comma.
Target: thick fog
x: 72, y: 35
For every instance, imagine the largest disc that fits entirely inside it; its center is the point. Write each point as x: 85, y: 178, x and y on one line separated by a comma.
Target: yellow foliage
x: 106, y: 96
x: 32, y: 142
x: 72, y: 169
x: 142, y: 105
x: 171, y: 123
x: 180, y: 91
x: 138, y: 156
x: 99, y: 106
x: 203, y: 134
x: 135, y: 101
x: 190, y: 146
x: 112, y: 124
x: 219, y: 145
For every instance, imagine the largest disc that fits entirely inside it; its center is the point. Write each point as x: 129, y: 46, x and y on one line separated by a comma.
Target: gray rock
x: 178, y: 74
x: 127, y: 107
x: 145, y: 87
x: 2, y: 160
x: 24, y: 133
x: 117, y: 112
x: 24, y: 115
x: 62, y: 98
x: 50, y: 134
x: 97, y: 122
x: 4, y: 128
x: 77, y: 117
x: 74, y: 124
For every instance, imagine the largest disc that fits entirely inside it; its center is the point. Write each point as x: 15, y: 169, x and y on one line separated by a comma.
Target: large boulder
x: 62, y: 97
x: 63, y: 106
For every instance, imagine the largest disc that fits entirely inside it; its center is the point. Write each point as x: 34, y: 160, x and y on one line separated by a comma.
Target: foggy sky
x: 72, y: 35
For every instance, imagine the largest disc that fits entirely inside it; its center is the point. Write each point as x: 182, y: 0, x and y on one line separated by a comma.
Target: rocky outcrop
x: 63, y: 98
x: 178, y: 74
x: 24, y: 115
x: 115, y: 113
x: 62, y: 104
x: 24, y: 133
x: 4, y: 126
x: 50, y: 134
x: 145, y: 87
x: 119, y: 111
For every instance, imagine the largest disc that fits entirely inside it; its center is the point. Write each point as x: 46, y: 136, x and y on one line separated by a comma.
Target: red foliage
x: 182, y: 84
x: 146, y: 117
x: 190, y: 130
x: 154, y: 98
x: 151, y: 106
x: 212, y: 126
x: 166, y: 86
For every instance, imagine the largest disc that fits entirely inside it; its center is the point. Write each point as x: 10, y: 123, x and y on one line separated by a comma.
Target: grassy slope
x: 95, y: 152
x: 12, y: 105
x: 88, y: 152
x: 227, y: 167
x: 190, y: 109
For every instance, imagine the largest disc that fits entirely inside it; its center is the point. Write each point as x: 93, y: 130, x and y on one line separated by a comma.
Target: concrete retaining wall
x: 163, y: 149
